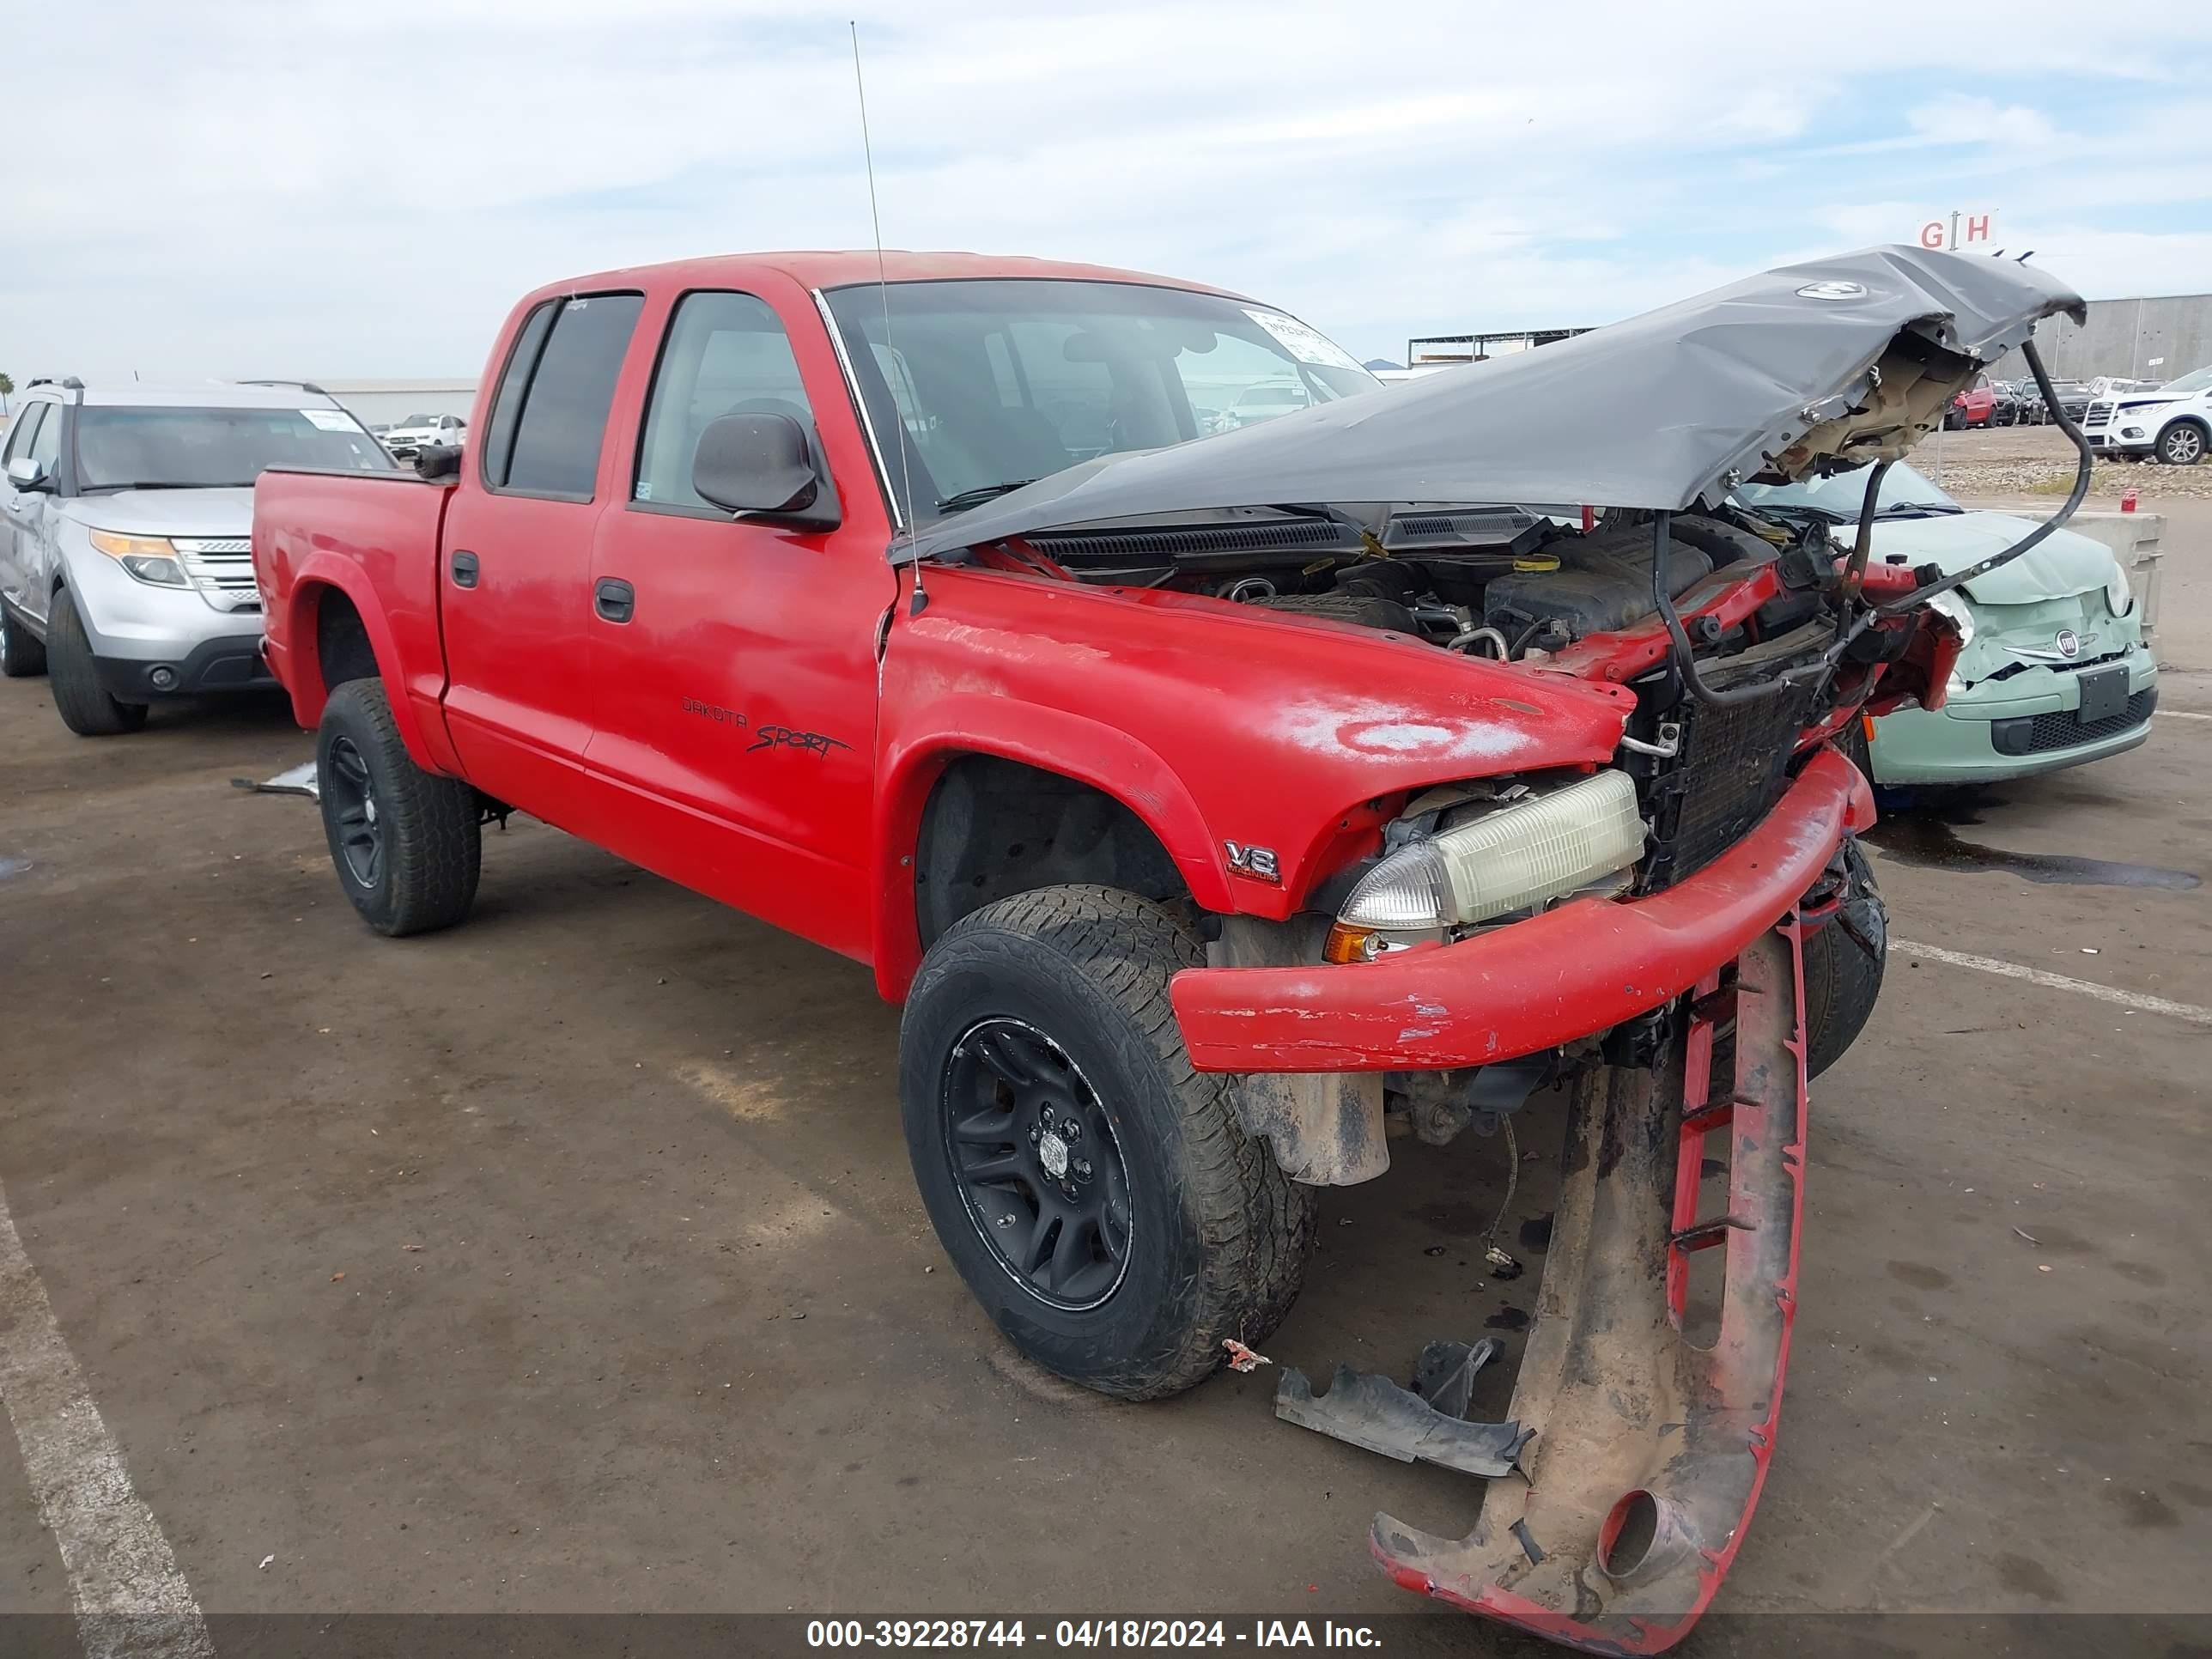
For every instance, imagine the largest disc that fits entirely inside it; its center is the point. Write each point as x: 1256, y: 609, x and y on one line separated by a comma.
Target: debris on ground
x: 1502, y: 1266
x: 265, y: 1560
x: 1423, y: 1422
x: 1241, y: 1358
x: 293, y: 781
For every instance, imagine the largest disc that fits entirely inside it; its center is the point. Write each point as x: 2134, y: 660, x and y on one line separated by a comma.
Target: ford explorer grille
x: 221, y: 566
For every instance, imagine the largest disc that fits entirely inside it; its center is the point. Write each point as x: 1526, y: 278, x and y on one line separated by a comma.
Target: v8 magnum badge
x: 1258, y: 862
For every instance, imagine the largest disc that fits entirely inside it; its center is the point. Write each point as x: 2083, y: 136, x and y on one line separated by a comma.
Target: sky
x: 350, y: 190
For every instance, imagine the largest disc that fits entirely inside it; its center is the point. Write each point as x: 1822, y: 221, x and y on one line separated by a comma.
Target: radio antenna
x: 890, y: 351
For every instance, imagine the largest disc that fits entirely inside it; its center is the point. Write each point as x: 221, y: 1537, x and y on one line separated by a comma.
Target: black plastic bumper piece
x: 231, y: 664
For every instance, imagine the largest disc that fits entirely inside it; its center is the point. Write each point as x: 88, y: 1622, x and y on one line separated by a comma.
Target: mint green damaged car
x: 2055, y: 670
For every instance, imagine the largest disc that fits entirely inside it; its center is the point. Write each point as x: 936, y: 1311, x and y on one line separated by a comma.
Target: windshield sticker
x: 329, y: 420
x: 1307, y: 345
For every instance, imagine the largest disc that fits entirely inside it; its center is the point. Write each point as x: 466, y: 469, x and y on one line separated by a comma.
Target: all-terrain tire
x: 427, y: 828
x: 79, y: 697
x: 21, y: 655
x: 1217, y: 1237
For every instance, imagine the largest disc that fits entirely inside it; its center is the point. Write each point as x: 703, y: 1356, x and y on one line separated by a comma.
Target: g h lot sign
x: 1958, y: 230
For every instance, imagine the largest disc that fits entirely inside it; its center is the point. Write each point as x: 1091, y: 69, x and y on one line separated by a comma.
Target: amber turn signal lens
x: 1347, y: 944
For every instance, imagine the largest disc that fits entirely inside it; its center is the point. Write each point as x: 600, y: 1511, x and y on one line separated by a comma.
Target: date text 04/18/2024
x: 1087, y: 1633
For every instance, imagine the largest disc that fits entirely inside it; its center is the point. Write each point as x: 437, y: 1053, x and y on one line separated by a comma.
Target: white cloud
x: 305, y: 187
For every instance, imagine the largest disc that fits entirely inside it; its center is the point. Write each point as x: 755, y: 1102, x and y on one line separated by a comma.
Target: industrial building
x: 381, y: 403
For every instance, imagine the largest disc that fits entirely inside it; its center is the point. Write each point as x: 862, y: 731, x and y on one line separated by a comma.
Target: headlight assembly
x: 148, y: 558
x: 1958, y: 613
x: 1515, y: 858
x: 2118, y: 594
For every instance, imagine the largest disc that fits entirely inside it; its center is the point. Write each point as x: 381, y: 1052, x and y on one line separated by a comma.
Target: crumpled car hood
x: 2063, y: 564
x: 1855, y: 356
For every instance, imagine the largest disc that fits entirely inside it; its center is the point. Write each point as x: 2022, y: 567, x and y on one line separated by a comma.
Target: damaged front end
x: 1638, y: 931
x: 1642, y: 1453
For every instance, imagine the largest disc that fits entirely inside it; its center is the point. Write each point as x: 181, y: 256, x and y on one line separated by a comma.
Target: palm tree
x: 7, y: 391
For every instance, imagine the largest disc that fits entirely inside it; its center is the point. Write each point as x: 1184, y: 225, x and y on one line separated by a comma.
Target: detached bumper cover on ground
x: 1647, y: 1453
x: 1582, y: 968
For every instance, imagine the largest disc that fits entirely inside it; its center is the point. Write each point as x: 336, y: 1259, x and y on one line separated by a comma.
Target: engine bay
x: 1497, y: 582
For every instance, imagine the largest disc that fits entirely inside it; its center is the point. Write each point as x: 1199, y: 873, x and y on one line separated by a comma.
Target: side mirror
x: 762, y: 465
x: 28, y: 476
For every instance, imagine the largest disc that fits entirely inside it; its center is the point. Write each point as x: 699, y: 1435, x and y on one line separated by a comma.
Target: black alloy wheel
x: 1037, y: 1164
x: 357, y: 827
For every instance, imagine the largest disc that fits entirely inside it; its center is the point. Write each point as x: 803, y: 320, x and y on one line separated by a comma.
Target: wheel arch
x: 332, y: 608
x: 1066, y: 755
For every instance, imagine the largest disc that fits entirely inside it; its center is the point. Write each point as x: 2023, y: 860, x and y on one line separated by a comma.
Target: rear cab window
x: 549, y: 419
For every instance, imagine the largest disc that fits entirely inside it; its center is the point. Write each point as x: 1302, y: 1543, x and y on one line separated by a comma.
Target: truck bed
x: 374, y: 536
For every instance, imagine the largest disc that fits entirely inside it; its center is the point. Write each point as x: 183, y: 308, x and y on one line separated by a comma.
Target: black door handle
x: 465, y: 568
x: 615, y: 600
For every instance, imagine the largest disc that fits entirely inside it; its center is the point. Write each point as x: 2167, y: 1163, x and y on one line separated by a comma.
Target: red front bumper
x: 1582, y: 968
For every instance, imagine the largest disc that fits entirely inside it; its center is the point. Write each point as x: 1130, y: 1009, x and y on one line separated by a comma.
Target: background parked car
x: 2172, y: 424
x: 2073, y: 398
x: 2054, y: 671
x: 1974, y: 406
x: 126, y: 563
x: 406, y: 438
x: 2005, y: 402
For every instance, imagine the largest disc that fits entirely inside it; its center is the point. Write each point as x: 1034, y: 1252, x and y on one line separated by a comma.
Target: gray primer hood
x: 1834, y: 361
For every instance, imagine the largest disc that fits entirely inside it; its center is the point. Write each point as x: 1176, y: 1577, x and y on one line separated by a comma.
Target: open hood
x: 1834, y: 361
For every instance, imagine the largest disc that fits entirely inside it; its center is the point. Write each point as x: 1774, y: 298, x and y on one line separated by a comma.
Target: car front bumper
x: 1580, y: 968
x: 2014, y: 727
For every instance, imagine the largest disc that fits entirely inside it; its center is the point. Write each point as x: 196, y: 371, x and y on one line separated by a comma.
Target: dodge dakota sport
x: 1208, y: 790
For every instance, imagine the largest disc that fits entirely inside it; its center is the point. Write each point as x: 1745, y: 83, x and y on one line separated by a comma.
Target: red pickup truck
x: 1207, y: 798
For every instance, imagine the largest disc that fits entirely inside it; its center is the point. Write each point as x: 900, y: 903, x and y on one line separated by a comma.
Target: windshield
x: 1840, y: 495
x: 420, y: 420
x: 198, y: 448
x: 2188, y: 385
x: 999, y: 383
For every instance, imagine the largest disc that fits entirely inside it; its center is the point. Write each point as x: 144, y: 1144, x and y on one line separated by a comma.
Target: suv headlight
x: 149, y: 558
x: 1958, y: 613
x: 1510, y: 860
x: 2118, y: 595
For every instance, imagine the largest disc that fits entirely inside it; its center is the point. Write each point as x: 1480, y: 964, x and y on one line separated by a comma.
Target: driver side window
x: 726, y: 354
x: 20, y: 435
x: 47, y: 441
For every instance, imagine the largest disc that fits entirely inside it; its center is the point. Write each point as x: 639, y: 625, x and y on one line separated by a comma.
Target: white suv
x: 2173, y: 424
x: 126, y: 520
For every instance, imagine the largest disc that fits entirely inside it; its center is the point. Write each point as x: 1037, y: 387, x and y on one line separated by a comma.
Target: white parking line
x: 2135, y: 999
x: 130, y: 1598
x: 2180, y: 715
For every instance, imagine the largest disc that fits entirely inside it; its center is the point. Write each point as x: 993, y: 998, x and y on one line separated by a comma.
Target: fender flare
x: 1052, y: 740
x: 303, y: 667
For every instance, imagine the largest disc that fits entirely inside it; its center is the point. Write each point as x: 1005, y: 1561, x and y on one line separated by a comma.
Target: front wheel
x: 1843, y: 964
x: 1097, y: 1195
x: 2181, y: 445
x: 80, y: 699
x: 408, y: 844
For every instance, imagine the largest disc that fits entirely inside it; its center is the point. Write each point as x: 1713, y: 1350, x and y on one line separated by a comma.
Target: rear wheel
x: 407, y: 843
x: 79, y: 697
x: 1097, y: 1195
x: 21, y: 656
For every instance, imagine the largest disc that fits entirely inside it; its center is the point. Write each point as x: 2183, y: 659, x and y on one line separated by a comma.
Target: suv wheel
x: 21, y: 656
x: 2181, y: 443
x: 408, y: 844
x: 1098, y: 1195
x: 79, y: 697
